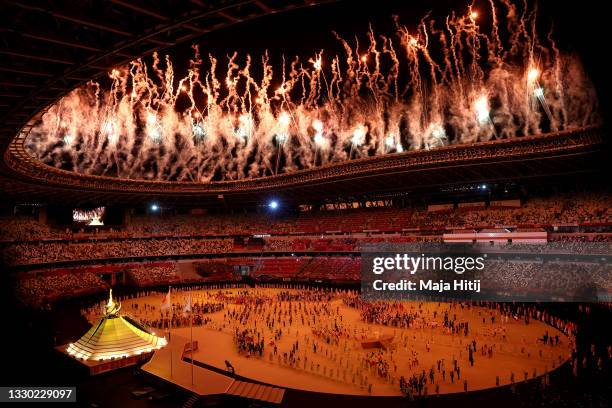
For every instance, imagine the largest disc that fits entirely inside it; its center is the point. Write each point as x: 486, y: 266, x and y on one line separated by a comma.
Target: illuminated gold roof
x: 115, y: 336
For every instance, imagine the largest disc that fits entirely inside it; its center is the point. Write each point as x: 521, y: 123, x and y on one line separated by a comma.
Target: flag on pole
x: 187, y: 307
x: 187, y: 311
x: 167, y: 302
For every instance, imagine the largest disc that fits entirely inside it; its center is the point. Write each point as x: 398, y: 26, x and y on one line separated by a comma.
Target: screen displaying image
x: 93, y: 217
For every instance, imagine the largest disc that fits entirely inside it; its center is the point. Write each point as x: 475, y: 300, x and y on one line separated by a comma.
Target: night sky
x: 579, y: 27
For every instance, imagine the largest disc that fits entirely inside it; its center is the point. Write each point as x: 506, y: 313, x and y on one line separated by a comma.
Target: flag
x: 166, y: 303
x: 187, y: 307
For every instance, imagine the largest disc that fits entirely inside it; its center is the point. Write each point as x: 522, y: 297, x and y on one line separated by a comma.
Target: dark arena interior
x: 302, y: 203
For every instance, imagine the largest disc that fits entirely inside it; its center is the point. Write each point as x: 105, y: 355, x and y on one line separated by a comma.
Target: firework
x: 384, y: 96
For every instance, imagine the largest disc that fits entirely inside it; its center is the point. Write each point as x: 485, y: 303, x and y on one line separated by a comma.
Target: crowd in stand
x: 47, y: 252
x: 22, y: 228
x: 168, y: 236
x: 199, y: 225
x: 153, y: 275
x: 580, y: 237
x: 40, y: 290
x: 530, y: 279
x: 561, y: 278
x: 581, y: 280
x: 285, y: 244
x: 339, y: 244
x: 559, y: 247
x: 561, y: 209
x: 583, y: 208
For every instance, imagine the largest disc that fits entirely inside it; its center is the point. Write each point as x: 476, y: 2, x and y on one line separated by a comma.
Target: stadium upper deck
x: 563, y: 153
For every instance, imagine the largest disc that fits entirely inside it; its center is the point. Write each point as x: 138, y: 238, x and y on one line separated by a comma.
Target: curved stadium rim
x: 16, y: 165
x: 24, y: 165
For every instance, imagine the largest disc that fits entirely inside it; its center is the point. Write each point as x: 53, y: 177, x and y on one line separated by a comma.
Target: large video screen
x: 91, y: 217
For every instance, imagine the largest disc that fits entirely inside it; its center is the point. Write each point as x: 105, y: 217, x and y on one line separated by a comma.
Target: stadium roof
x: 50, y: 48
x: 559, y: 154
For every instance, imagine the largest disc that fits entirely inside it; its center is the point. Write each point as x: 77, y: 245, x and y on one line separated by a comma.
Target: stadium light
x: 154, y: 207
x: 273, y: 205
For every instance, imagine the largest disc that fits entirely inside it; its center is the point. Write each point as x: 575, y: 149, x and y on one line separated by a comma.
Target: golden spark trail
x: 241, y: 117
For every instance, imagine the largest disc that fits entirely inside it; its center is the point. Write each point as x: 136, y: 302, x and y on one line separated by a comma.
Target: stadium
x: 270, y: 203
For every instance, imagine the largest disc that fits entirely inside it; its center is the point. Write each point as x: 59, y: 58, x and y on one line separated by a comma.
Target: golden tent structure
x: 114, y: 338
